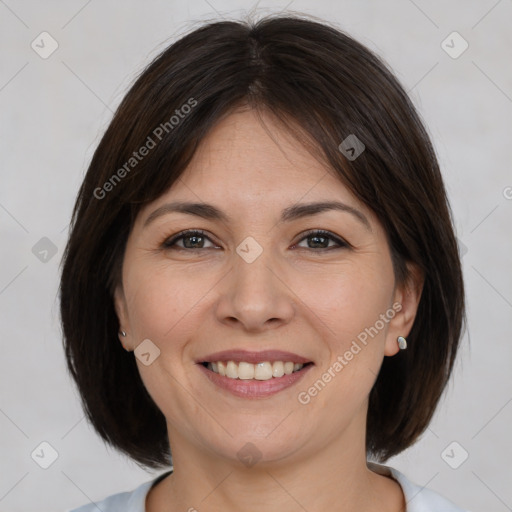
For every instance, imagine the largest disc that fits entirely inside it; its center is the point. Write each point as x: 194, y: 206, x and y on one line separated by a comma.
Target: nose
x: 254, y: 296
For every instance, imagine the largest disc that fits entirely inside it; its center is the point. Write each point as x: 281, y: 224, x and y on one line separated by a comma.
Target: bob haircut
x: 322, y: 86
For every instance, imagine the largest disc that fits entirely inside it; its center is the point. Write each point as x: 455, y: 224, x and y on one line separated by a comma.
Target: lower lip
x: 255, y: 388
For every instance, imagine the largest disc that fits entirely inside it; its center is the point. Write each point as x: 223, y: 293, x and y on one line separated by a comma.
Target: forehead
x: 251, y: 169
x: 250, y: 158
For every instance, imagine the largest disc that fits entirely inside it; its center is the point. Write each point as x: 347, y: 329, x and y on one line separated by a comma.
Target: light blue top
x: 418, y: 499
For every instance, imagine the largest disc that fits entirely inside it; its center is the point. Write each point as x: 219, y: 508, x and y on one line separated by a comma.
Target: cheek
x: 351, y: 301
x: 160, y: 306
x: 160, y: 299
x: 348, y: 306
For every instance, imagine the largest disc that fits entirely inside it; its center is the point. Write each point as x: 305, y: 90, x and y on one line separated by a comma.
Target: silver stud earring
x: 402, y: 342
x: 123, y: 334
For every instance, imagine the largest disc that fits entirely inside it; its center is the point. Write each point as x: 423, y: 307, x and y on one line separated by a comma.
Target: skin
x: 296, y: 296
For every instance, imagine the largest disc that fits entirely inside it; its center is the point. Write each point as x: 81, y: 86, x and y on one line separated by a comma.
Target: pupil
x: 318, y: 237
x: 192, y: 237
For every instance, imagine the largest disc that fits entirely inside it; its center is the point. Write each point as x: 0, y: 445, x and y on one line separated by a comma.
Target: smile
x: 249, y: 374
x: 248, y: 371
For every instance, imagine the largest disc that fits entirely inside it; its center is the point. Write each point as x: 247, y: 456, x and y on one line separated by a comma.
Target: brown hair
x: 323, y: 85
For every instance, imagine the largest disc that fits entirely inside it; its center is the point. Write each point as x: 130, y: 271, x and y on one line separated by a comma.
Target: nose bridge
x: 253, y: 265
x: 254, y: 293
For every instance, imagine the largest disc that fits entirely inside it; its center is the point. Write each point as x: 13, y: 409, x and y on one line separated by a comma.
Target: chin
x: 258, y: 444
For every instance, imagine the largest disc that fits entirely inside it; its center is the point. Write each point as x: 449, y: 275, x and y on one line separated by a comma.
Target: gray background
x: 53, y: 112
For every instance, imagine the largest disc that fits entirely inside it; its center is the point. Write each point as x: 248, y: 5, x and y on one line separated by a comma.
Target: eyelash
x: 169, y: 243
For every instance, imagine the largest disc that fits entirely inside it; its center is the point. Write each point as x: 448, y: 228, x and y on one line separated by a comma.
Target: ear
x: 122, y: 314
x: 405, y: 302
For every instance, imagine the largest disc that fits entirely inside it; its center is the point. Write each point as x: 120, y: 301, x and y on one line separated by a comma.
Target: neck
x: 334, y: 477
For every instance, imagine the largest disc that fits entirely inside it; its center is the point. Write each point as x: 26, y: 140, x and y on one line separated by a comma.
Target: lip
x: 238, y: 355
x: 254, y: 388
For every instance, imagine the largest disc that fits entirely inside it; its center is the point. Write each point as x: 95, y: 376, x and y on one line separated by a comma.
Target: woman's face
x: 255, y: 282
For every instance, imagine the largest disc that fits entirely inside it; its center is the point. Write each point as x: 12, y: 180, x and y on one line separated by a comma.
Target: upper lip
x: 238, y: 355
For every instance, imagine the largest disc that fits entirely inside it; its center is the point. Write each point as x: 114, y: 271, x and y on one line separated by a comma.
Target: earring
x: 402, y: 342
x: 123, y: 334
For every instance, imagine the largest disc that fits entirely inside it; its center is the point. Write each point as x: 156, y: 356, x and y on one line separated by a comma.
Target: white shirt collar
x: 417, y: 498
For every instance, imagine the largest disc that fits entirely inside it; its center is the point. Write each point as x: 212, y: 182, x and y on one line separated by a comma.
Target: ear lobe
x: 408, y: 296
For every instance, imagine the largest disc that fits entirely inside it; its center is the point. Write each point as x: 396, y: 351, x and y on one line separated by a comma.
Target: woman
x: 265, y: 230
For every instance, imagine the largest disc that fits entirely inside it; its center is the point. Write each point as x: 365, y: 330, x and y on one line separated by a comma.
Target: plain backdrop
x: 53, y: 112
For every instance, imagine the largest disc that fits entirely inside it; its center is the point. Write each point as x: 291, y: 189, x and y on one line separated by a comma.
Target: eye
x: 321, y: 239
x: 195, y: 239
x: 192, y: 239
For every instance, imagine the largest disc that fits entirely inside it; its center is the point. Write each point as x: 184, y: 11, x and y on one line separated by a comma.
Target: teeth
x: 288, y: 368
x: 245, y: 371
x: 261, y: 371
x: 278, y: 369
x: 232, y: 370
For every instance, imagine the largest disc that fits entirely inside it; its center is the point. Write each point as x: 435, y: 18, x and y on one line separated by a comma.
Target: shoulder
x: 130, y: 501
x: 418, y: 499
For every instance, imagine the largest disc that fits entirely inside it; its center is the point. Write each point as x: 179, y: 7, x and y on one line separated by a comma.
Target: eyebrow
x: 298, y: 211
